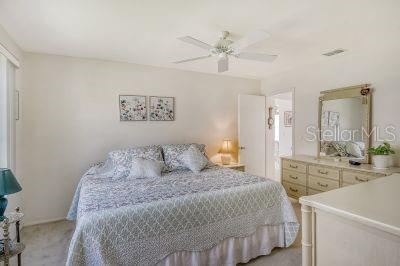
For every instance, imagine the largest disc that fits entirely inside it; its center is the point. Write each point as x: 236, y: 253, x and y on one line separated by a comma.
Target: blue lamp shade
x: 8, y: 182
x: 8, y: 185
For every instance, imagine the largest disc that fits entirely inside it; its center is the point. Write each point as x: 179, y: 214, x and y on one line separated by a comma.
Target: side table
x: 17, y: 247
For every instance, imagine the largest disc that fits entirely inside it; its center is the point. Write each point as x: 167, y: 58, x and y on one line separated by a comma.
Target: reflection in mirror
x: 342, y: 128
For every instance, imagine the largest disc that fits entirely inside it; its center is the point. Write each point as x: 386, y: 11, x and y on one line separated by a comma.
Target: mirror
x: 344, y: 123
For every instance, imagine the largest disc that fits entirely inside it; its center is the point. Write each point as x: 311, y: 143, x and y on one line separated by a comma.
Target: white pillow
x: 173, y: 152
x: 354, y: 150
x: 142, y: 168
x: 194, y: 159
x: 122, y: 159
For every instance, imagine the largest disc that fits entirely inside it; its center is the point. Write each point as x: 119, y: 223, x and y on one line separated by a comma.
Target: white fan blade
x: 252, y: 38
x: 196, y: 42
x: 257, y: 57
x: 191, y: 59
x: 223, y: 64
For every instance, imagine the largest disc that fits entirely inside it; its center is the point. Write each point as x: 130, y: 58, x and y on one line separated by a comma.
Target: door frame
x: 273, y: 93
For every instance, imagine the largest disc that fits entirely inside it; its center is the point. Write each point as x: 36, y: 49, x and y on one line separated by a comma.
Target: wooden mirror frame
x: 363, y: 91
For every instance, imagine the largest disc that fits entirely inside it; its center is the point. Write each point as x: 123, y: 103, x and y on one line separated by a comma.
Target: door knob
x: 242, y: 148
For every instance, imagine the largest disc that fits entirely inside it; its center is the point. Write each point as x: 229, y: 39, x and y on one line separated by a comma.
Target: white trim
x: 10, y: 56
x: 44, y: 221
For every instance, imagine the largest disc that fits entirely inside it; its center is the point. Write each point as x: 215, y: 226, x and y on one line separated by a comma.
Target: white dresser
x: 357, y: 225
x: 305, y: 175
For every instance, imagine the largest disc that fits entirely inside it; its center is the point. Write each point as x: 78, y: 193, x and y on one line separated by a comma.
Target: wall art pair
x: 134, y: 108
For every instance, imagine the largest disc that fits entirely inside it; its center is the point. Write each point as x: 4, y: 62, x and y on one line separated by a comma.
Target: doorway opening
x: 280, y: 131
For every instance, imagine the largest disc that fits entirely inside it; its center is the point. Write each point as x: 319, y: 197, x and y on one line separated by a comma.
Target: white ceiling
x: 145, y: 32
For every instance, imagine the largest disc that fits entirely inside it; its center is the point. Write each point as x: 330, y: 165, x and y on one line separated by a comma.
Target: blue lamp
x: 8, y: 185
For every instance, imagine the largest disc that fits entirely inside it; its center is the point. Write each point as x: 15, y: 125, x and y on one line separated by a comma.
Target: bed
x: 218, y: 216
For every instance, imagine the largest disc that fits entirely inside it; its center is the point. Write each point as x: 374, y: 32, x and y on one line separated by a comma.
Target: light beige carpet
x: 47, y: 244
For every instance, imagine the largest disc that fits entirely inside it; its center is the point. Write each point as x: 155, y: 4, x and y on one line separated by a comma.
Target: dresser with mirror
x: 342, y: 135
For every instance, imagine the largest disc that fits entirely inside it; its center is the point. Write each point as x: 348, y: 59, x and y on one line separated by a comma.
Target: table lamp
x: 226, y: 151
x: 8, y: 185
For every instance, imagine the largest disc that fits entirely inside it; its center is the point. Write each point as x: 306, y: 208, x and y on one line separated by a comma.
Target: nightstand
x: 234, y: 166
x: 17, y: 246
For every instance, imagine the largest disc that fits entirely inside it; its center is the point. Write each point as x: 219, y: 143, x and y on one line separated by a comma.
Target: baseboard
x: 44, y: 221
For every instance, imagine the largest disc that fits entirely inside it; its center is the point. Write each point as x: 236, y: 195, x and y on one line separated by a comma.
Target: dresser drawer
x: 323, y: 184
x: 295, y: 166
x: 323, y: 172
x: 294, y: 177
x: 313, y: 191
x: 294, y: 190
x: 355, y: 177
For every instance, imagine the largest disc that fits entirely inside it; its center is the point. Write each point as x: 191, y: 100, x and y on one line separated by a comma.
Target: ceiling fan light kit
x: 225, y: 47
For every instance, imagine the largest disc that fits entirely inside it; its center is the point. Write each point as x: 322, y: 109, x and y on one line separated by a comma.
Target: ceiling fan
x: 226, y: 47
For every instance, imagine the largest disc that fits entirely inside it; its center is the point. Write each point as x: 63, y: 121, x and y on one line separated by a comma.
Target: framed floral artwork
x: 132, y: 108
x: 162, y: 108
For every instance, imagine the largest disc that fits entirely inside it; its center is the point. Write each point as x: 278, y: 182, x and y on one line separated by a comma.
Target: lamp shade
x: 8, y: 182
x: 226, y: 147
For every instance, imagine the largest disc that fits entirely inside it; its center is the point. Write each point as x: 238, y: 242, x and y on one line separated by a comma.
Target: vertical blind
x: 7, y: 113
x: 3, y: 112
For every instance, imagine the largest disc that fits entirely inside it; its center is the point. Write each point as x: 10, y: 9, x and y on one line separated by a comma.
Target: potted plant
x: 381, y: 155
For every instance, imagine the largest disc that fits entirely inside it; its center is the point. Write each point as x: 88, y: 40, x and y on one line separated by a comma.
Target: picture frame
x: 132, y: 107
x: 288, y: 118
x: 334, y: 119
x: 161, y: 108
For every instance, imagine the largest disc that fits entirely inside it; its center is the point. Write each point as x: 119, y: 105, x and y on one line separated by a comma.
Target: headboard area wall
x: 70, y: 108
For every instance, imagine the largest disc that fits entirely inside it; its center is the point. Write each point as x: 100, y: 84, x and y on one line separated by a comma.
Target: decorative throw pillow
x: 173, y: 151
x: 194, y: 159
x: 122, y: 159
x: 341, y: 149
x: 354, y: 150
x: 362, y: 146
x: 142, y: 168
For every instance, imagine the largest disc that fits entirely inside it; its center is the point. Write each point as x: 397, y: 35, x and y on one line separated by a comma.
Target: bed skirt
x: 231, y: 251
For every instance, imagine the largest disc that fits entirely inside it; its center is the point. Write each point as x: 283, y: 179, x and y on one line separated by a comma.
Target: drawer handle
x: 293, y: 166
x: 323, y: 172
x: 293, y: 177
x: 293, y: 189
x: 322, y: 185
x: 360, y: 179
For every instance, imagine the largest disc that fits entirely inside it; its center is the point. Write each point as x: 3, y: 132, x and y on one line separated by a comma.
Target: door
x: 251, y: 126
x: 279, y: 136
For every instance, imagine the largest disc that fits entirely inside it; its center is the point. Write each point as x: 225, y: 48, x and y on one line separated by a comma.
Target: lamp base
x: 3, y: 206
x: 226, y: 159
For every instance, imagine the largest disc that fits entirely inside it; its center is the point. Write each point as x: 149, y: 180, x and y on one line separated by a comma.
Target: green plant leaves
x: 384, y: 149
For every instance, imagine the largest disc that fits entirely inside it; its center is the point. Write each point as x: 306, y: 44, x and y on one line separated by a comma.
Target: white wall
x: 71, y: 119
x: 379, y: 67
